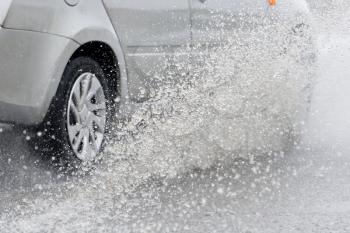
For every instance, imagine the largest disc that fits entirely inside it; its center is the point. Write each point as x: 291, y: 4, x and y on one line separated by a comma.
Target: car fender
x: 89, y: 34
x: 88, y: 21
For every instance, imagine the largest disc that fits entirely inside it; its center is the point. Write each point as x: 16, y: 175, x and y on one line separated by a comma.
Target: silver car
x: 70, y: 66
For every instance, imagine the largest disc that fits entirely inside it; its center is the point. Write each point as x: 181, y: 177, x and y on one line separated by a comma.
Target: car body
x: 38, y: 38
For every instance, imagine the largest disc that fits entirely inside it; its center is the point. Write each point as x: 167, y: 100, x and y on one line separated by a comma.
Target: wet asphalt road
x: 305, y: 190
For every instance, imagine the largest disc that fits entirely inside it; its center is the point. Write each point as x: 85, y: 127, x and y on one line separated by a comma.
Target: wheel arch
x: 104, y: 55
x: 95, y: 39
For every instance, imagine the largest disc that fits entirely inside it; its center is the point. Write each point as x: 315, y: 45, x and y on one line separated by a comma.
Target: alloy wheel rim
x: 86, y: 117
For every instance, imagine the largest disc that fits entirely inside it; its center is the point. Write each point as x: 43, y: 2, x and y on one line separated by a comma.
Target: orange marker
x: 272, y: 2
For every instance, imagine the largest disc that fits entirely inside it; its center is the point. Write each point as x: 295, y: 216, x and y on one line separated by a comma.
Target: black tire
x: 55, y: 140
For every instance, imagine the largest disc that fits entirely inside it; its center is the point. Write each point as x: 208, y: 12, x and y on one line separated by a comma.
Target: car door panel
x: 214, y: 20
x: 154, y: 34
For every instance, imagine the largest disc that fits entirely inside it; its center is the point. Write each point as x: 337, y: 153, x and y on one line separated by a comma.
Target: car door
x: 155, y: 35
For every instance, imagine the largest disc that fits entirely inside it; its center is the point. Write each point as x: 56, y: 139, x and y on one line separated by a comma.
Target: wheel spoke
x: 74, y: 130
x: 99, y: 121
x: 77, y: 94
x: 96, y: 136
x: 99, y: 138
x: 93, y: 139
x: 74, y: 111
x: 85, y: 83
x: 90, y: 152
x: 78, y: 140
x: 96, y: 107
x: 94, y: 143
x: 94, y: 88
x: 85, y: 141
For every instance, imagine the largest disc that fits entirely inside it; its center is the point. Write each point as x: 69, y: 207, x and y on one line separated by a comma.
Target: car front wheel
x: 80, y: 114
